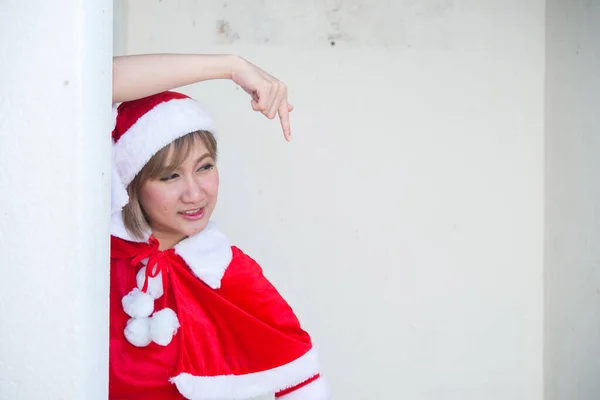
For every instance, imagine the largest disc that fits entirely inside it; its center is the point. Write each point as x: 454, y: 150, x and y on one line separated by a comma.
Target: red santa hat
x: 143, y: 127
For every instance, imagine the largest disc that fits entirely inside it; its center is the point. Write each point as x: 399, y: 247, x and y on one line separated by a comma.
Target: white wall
x: 55, y: 75
x: 572, y: 273
x: 405, y: 221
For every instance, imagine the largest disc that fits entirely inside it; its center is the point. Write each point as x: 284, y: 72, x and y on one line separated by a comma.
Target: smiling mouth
x: 195, y: 213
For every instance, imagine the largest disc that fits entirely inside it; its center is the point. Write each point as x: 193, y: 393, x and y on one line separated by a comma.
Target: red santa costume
x: 198, y: 321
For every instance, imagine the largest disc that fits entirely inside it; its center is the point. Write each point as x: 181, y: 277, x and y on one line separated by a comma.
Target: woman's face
x: 180, y: 205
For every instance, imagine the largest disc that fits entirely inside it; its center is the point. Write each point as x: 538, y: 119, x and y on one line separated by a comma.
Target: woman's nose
x: 193, y: 191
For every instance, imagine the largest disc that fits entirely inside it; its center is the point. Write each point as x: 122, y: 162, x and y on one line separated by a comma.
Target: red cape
x: 238, y: 341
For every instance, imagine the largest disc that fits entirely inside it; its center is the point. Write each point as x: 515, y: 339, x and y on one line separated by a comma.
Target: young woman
x: 191, y: 317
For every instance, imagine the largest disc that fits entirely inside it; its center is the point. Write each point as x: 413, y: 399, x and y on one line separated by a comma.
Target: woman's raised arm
x: 139, y: 76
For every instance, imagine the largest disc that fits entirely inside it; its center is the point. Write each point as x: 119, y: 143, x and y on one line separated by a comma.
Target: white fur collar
x: 207, y: 253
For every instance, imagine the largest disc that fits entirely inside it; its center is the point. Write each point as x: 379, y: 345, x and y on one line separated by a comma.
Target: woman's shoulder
x: 242, y: 260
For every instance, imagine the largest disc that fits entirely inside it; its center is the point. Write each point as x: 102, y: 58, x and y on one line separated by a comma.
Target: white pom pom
x: 163, y: 325
x: 155, y: 286
x: 138, y: 304
x: 137, y: 331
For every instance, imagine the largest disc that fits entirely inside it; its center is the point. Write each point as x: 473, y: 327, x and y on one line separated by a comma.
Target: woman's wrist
x: 236, y: 64
x: 216, y: 66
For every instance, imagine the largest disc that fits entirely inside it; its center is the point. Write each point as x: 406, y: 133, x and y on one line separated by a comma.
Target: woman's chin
x: 181, y: 230
x: 193, y: 228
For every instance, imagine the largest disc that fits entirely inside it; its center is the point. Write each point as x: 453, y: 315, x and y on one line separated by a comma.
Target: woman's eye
x: 168, y: 178
x: 206, y: 167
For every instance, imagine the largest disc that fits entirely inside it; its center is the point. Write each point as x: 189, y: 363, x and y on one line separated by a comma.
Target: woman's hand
x: 269, y: 95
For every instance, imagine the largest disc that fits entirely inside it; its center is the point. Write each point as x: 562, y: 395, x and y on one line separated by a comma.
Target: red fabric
x: 294, y: 388
x: 130, y: 111
x: 243, y: 327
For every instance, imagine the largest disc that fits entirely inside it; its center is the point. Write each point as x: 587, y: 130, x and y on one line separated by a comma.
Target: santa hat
x: 145, y: 126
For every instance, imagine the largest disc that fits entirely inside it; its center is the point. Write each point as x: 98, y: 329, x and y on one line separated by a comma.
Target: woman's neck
x: 167, y: 241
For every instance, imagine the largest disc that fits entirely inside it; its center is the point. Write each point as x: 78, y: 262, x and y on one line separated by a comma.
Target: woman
x: 191, y: 316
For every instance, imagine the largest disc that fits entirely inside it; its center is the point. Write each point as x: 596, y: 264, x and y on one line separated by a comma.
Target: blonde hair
x: 134, y: 218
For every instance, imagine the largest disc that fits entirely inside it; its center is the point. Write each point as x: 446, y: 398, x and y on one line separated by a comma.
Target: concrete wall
x: 405, y: 221
x: 55, y: 75
x: 572, y: 265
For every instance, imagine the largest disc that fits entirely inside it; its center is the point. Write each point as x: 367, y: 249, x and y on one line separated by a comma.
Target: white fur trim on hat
x: 118, y: 194
x: 248, y: 386
x: 118, y: 197
x: 138, y: 304
x: 154, y: 130
x: 163, y: 325
x: 137, y: 332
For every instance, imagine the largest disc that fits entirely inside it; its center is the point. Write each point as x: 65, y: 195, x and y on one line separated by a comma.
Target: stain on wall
x: 225, y: 34
x: 332, y: 23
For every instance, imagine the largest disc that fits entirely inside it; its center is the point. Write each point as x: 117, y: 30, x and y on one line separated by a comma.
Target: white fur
x: 154, y: 130
x: 137, y: 332
x: 138, y: 304
x: 163, y: 326
x: 155, y: 286
x: 117, y: 228
x: 119, y: 197
x: 207, y: 253
x: 240, y: 387
x: 316, y: 390
x: 118, y: 193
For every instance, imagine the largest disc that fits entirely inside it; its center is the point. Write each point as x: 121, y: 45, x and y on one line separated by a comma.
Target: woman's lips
x: 194, y: 214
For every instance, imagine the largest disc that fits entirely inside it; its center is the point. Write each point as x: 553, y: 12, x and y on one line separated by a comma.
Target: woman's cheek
x: 215, y: 184
x: 159, y: 198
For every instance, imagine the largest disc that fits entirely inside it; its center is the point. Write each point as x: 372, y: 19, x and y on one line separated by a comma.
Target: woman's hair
x: 134, y: 218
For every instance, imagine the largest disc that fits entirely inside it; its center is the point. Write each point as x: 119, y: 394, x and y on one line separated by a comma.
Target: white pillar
x: 55, y: 119
x: 572, y: 267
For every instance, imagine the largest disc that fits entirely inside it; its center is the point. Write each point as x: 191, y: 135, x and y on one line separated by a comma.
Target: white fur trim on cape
x: 241, y: 387
x: 154, y: 130
x: 207, y: 253
x: 316, y: 390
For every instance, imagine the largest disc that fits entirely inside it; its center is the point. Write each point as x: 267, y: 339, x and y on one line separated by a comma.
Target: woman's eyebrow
x: 202, y: 157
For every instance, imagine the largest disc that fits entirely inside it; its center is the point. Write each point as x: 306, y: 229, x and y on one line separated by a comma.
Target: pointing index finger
x: 284, y: 117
